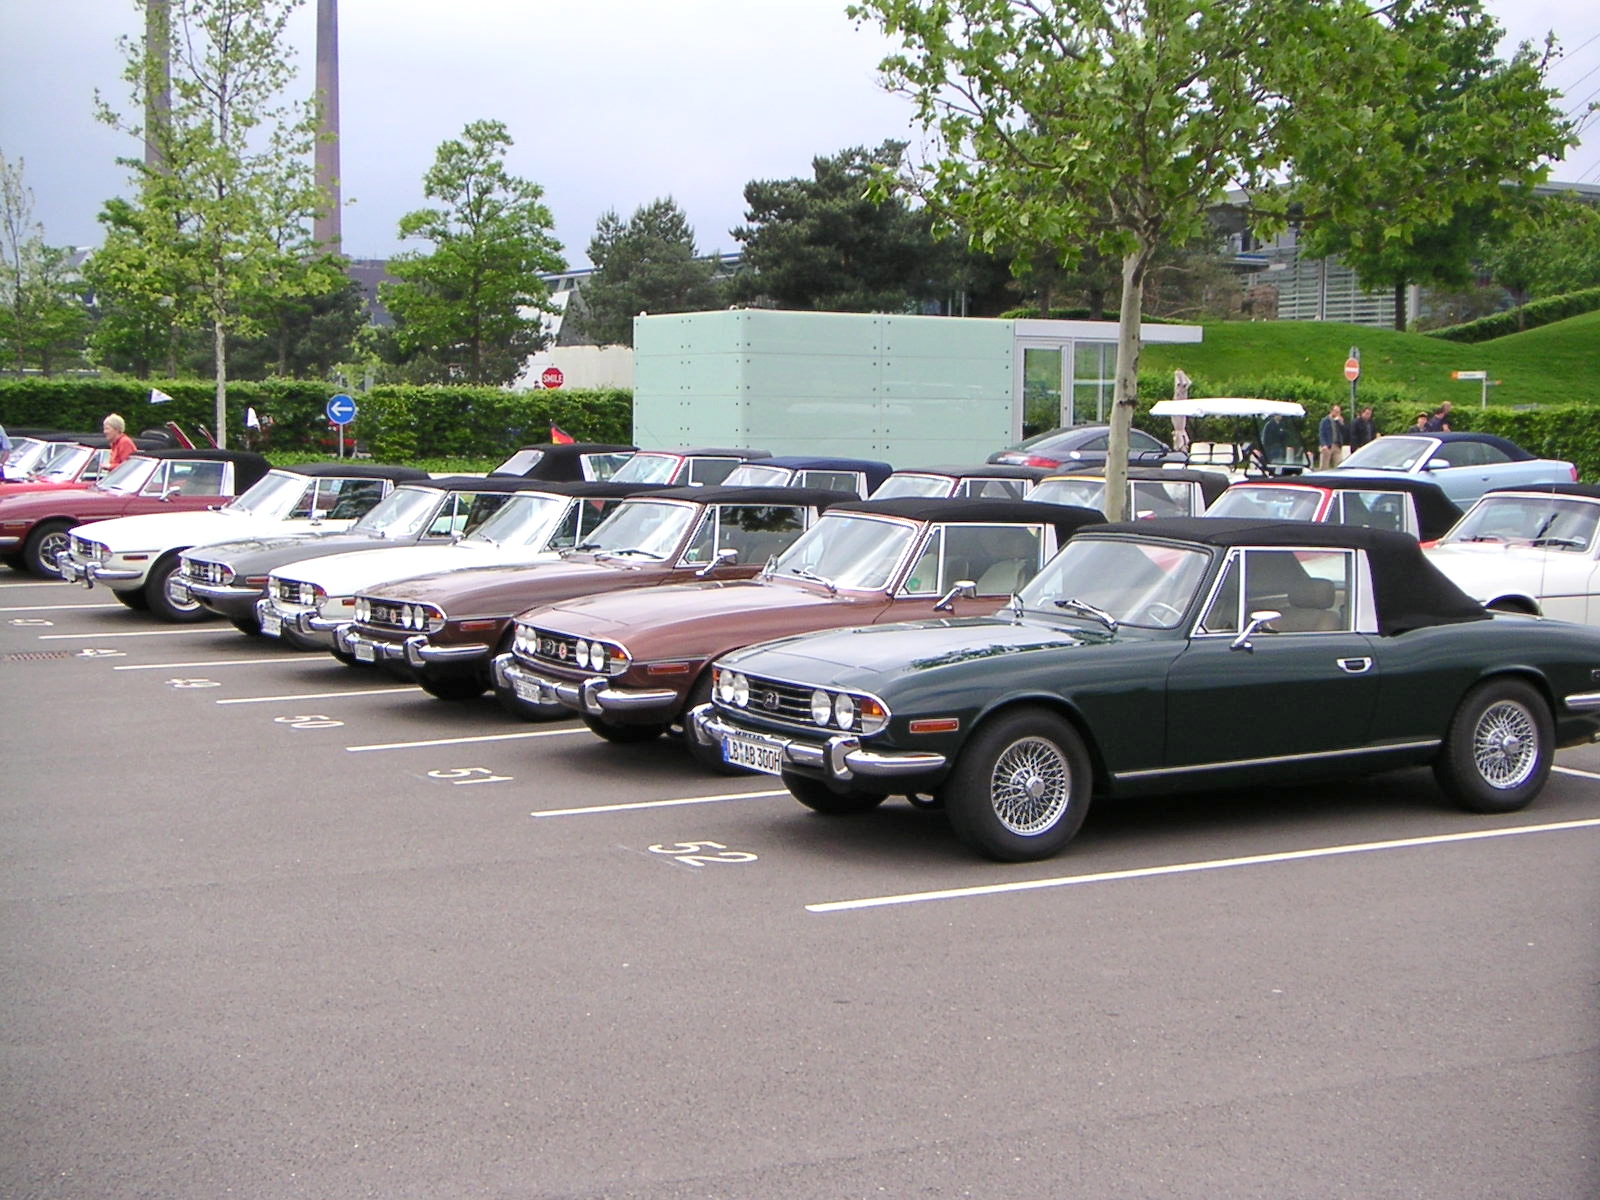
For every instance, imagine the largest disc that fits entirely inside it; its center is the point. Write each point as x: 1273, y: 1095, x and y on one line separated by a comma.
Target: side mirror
x: 965, y: 589
x: 1257, y: 619
x: 727, y: 556
x: 1435, y: 464
x: 170, y: 493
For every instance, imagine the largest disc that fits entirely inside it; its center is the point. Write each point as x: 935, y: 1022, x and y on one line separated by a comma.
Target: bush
x: 1529, y: 316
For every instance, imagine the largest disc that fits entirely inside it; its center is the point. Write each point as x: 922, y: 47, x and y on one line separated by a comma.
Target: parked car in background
x: 229, y: 577
x: 694, y: 466
x: 138, y: 557
x: 863, y: 563
x: 527, y: 521
x: 1530, y: 549
x: 446, y: 627
x: 572, y: 461
x: 1417, y: 507
x: 1150, y: 657
x: 986, y: 482
x: 857, y: 476
x: 64, y: 465
x: 1465, y: 465
x: 34, y: 526
x: 1084, y: 446
x: 1152, y: 491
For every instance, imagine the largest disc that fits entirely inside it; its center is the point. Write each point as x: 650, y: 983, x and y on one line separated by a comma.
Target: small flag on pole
x: 157, y: 396
x: 558, y: 436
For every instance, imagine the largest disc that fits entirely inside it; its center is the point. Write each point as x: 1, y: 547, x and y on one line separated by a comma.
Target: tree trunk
x: 1400, y: 307
x: 1125, y: 396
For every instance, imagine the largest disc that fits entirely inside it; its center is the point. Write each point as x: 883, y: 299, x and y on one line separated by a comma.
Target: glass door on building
x: 1046, y: 398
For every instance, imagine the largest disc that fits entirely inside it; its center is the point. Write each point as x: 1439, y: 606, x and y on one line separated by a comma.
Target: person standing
x: 1363, y: 429
x: 1331, y: 438
x: 1180, y: 424
x: 1439, y: 421
x: 122, y: 447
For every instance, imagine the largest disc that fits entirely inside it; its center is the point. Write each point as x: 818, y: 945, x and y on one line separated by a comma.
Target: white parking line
x: 1575, y: 771
x: 35, y: 583
x: 219, y: 662
x: 606, y: 808
x: 383, y: 691
x: 493, y: 737
x: 95, y: 637
x: 56, y: 607
x: 995, y: 889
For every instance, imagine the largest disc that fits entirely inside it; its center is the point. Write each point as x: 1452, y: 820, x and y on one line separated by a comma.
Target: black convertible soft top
x: 1436, y: 512
x: 1067, y: 518
x: 1586, y: 491
x: 1409, y: 590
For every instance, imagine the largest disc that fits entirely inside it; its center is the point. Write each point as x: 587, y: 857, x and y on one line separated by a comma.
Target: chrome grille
x: 202, y: 571
x: 292, y: 591
x: 779, y: 701
x: 555, y: 649
x: 387, y: 614
x: 83, y: 548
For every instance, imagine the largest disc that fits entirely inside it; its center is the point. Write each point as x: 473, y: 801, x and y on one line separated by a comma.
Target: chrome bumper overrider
x: 349, y: 640
x: 841, y: 757
x: 305, y: 621
x: 594, y: 695
x: 90, y: 574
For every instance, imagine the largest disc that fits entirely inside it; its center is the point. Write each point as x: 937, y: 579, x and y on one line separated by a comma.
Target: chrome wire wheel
x: 1505, y: 745
x: 1030, y: 786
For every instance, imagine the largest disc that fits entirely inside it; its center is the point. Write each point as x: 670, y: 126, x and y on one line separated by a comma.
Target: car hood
x: 683, y: 606
x: 356, y: 571
x: 1484, y: 570
x: 505, y: 590
x: 862, y: 656
x: 160, y: 530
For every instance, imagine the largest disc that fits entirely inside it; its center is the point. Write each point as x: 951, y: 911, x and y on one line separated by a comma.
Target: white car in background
x: 1532, y: 549
x: 138, y: 557
x: 307, y: 600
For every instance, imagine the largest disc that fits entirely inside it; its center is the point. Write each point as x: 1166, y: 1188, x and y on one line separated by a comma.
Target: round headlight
x: 725, y: 686
x: 597, y: 656
x: 741, y: 691
x: 844, y: 710
x: 821, y: 707
x: 580, y: 651
x: 359, y: 609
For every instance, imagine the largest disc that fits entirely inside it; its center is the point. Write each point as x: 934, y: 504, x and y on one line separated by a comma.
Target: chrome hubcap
x: 1505, y: 745
x: 1031, y: 786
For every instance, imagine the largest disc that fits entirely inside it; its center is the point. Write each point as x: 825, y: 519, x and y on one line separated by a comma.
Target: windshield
x: 523, y: 520
x: 1394, y: 453
x: 847, y: 552
x: 132, y: 475
x: 646, y: 467
x: 643, y: 527
x: 1277, y: 503
x: 1148, y: 585
x: 1556, y: 524
x: 402, y: 513
x: 26, y: 455
x: 751, y: 475
x: 273, y: 495
x: 1090, y: 493
x: 912, y: 485
x: 63, y: 462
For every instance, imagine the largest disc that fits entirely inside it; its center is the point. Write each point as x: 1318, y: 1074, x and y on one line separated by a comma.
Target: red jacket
x: 122, y: 448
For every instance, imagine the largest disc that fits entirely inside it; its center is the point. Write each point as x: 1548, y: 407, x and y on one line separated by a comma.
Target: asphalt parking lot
x: 279, y: 927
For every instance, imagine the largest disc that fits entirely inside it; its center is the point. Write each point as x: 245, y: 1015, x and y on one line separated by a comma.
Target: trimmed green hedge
x: 396, y: 423
x: 1515, y: 320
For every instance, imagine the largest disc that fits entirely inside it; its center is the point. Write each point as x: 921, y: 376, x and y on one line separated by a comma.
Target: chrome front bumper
x: 90, y: 574
x: 594, y: 695
x: 416, y: 651
x: 840, y: 758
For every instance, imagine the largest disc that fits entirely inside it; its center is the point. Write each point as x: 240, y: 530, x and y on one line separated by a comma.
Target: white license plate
x: 526, y: 689
x: 366, y: 652
x: 271, y: 624
x: 753, y: 753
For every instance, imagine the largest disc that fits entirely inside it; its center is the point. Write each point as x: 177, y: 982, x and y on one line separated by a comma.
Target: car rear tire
x: 452, y: 687
x: 1021, y: 788
x: 1497, y: 753
x: 133, y: 600
x: 819, y: 797
x: 158, y: 592
x: 43, y: 544
x: 623, y: 735
x: 14, y: 561
x: 248, y: 626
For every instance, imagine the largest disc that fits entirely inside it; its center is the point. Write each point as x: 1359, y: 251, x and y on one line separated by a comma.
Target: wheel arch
x: 1523, y: 674
x: 1516, y: 602
x: 1057, y: 706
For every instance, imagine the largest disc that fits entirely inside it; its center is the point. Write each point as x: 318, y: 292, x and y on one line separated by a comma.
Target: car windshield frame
x: 852, y: 552
x: 1550, y: 534
x: 652, y: 529
x: 275, y: 494
x: 525, y: 519
x: 1124, y: 578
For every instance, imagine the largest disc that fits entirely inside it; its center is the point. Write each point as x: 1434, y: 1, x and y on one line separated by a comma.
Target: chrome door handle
x: 1355, y: 666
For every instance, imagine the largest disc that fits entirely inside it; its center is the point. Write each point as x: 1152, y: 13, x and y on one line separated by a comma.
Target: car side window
x: 832, y: 481
x: 1223, y: 614
x: 1152, y: 498
x: 349, y: 499
x: 1309, y: 589
x: 707, y: 471
x: 450, y: 519
x: 757, y: 532
x: 156, y: 485
x: 196, y: 478
x: 924, y: 577
x: 998, y: 559
x: 1002, y: 489
x: 565, y: 535
x: 1374, y: 510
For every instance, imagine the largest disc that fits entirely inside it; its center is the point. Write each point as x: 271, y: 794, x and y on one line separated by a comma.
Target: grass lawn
x: 1554, y: 364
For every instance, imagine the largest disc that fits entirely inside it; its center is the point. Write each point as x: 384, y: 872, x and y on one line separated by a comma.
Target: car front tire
x: 43, y: 544
x: 1021, y: 788
x: 1498, y: 751
x: 164, y: 603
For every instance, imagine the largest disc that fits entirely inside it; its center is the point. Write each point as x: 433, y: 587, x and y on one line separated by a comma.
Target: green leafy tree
x: 221, y: 219
x: 43, y: 319
x: 1118, y: 126
x: 646, y: 265
x: 1407, y: 190
x: 824, y: 243
x: 469, y: 310
x: 1555, y: 248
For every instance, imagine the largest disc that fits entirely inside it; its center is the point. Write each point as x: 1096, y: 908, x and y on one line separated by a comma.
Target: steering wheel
x: 1163, y: 613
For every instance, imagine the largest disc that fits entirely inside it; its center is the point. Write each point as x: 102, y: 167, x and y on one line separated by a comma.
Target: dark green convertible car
x: 1161, y: 656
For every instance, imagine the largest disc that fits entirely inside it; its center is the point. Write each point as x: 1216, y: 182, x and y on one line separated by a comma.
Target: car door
x: 1306, y: 685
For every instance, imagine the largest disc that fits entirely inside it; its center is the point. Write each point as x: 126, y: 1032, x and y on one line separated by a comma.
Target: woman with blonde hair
x: 116, y: 431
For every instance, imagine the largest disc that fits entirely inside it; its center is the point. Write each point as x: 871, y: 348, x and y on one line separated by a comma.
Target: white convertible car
x: 1531, y: 549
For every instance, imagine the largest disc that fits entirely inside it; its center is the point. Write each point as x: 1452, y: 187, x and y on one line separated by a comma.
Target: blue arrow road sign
x: 341, y: 409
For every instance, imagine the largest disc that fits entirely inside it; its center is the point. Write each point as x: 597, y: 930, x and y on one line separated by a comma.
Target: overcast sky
x: 612, y: 103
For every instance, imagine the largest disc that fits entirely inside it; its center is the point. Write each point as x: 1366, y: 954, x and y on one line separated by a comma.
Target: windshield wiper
x: 631, y: 550
x: 1073, y: 604
x: 805, y: 573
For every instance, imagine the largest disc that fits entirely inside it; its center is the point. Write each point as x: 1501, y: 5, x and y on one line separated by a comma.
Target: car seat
x: 1310, y: 608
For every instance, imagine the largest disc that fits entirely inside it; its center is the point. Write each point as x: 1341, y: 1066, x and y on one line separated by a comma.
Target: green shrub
x: 1515, y: 320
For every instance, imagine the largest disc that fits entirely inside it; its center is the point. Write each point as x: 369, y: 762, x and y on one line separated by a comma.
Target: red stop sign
x: 1352, y: 369
x: 552, y: 377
